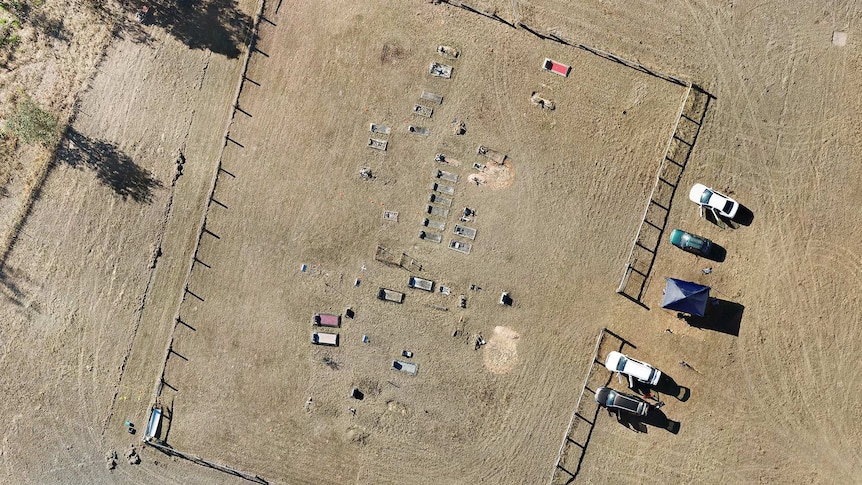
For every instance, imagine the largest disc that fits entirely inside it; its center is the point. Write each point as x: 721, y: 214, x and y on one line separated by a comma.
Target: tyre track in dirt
x: 775, y: 131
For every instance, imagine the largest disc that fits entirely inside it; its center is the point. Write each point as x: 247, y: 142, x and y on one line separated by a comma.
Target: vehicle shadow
x: 721, y: 316
x: 655, y: 417
x: 665, y: 385
x: 717, y: 253
x: 744, y: 216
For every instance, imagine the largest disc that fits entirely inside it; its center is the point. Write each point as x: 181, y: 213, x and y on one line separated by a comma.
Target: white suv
x: 645, y: 373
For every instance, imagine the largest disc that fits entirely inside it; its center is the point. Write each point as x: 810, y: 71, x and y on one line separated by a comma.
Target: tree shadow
x: 113, y: 167
x: 10, y: 289
x: 721, y: 316
x: 217, y: 25
x: 134, y: 31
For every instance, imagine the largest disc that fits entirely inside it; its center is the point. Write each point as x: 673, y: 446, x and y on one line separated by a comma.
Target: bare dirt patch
x: 501, y: 351
x: 495, y: 175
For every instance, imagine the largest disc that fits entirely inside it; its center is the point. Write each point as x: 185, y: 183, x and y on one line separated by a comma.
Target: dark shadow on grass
x: 655, y: 417
x: 217, y: 25
x: 667, y: 385
x: 721, y: 316
x: 167, y: 421
x: 744, y: 216
x: 717, y: 253
x: 113, y: 167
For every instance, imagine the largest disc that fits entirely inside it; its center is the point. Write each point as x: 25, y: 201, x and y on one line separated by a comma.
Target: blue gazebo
x: 685, y: 296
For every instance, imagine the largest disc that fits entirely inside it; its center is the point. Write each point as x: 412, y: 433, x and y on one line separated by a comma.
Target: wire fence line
x: 547, y: 34
x: 168, y: 450
x: 579, y: 432
x: 641, y: 259
x: 160, y: 381
x: 686, y: 128
x: 681, y: 140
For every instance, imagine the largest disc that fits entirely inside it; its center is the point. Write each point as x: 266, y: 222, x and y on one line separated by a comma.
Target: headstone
x: 839, y: 39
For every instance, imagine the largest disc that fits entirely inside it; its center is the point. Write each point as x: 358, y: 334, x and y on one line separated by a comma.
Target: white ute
x: 617, y: 362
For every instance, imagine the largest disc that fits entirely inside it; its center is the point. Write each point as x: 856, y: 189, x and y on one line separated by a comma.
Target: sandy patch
x: 495, y: 175
x: 501, y: 351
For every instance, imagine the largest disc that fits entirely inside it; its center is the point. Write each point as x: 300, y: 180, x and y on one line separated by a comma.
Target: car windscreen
x: 704, y: 198
x: 622, y: 363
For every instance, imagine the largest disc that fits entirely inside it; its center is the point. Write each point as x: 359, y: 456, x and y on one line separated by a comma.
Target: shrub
x: 32, y: 124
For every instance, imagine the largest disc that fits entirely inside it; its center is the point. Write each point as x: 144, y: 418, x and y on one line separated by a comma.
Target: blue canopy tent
x: 685, y: 297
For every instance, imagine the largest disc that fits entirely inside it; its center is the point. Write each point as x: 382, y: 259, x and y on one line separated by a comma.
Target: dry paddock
x: 290, y: 194
x: 771, y: 402
x: 555, y: 239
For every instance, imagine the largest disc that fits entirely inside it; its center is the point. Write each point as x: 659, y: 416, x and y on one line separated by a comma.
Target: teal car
x: 700, y: 246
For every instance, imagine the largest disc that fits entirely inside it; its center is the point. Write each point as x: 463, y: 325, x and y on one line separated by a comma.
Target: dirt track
x: 770, y: 404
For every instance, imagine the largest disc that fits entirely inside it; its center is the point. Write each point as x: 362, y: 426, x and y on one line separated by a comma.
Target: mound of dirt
x: 501, y: 351
x: 495, y: 175
x: 357, y: 435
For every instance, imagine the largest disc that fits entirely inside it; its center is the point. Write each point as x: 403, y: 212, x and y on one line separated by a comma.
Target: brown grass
x: 60, y: 45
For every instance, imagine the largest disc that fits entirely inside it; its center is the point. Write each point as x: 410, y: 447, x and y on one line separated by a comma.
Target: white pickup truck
x: 617, y: 362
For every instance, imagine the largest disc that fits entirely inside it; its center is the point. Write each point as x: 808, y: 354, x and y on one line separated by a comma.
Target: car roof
x: 689, y: 239
x: 686, y: 239
x: 613, y: 357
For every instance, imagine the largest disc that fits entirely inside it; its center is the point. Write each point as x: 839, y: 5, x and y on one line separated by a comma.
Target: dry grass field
x: 245, y: 372
x: 94, y: 282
